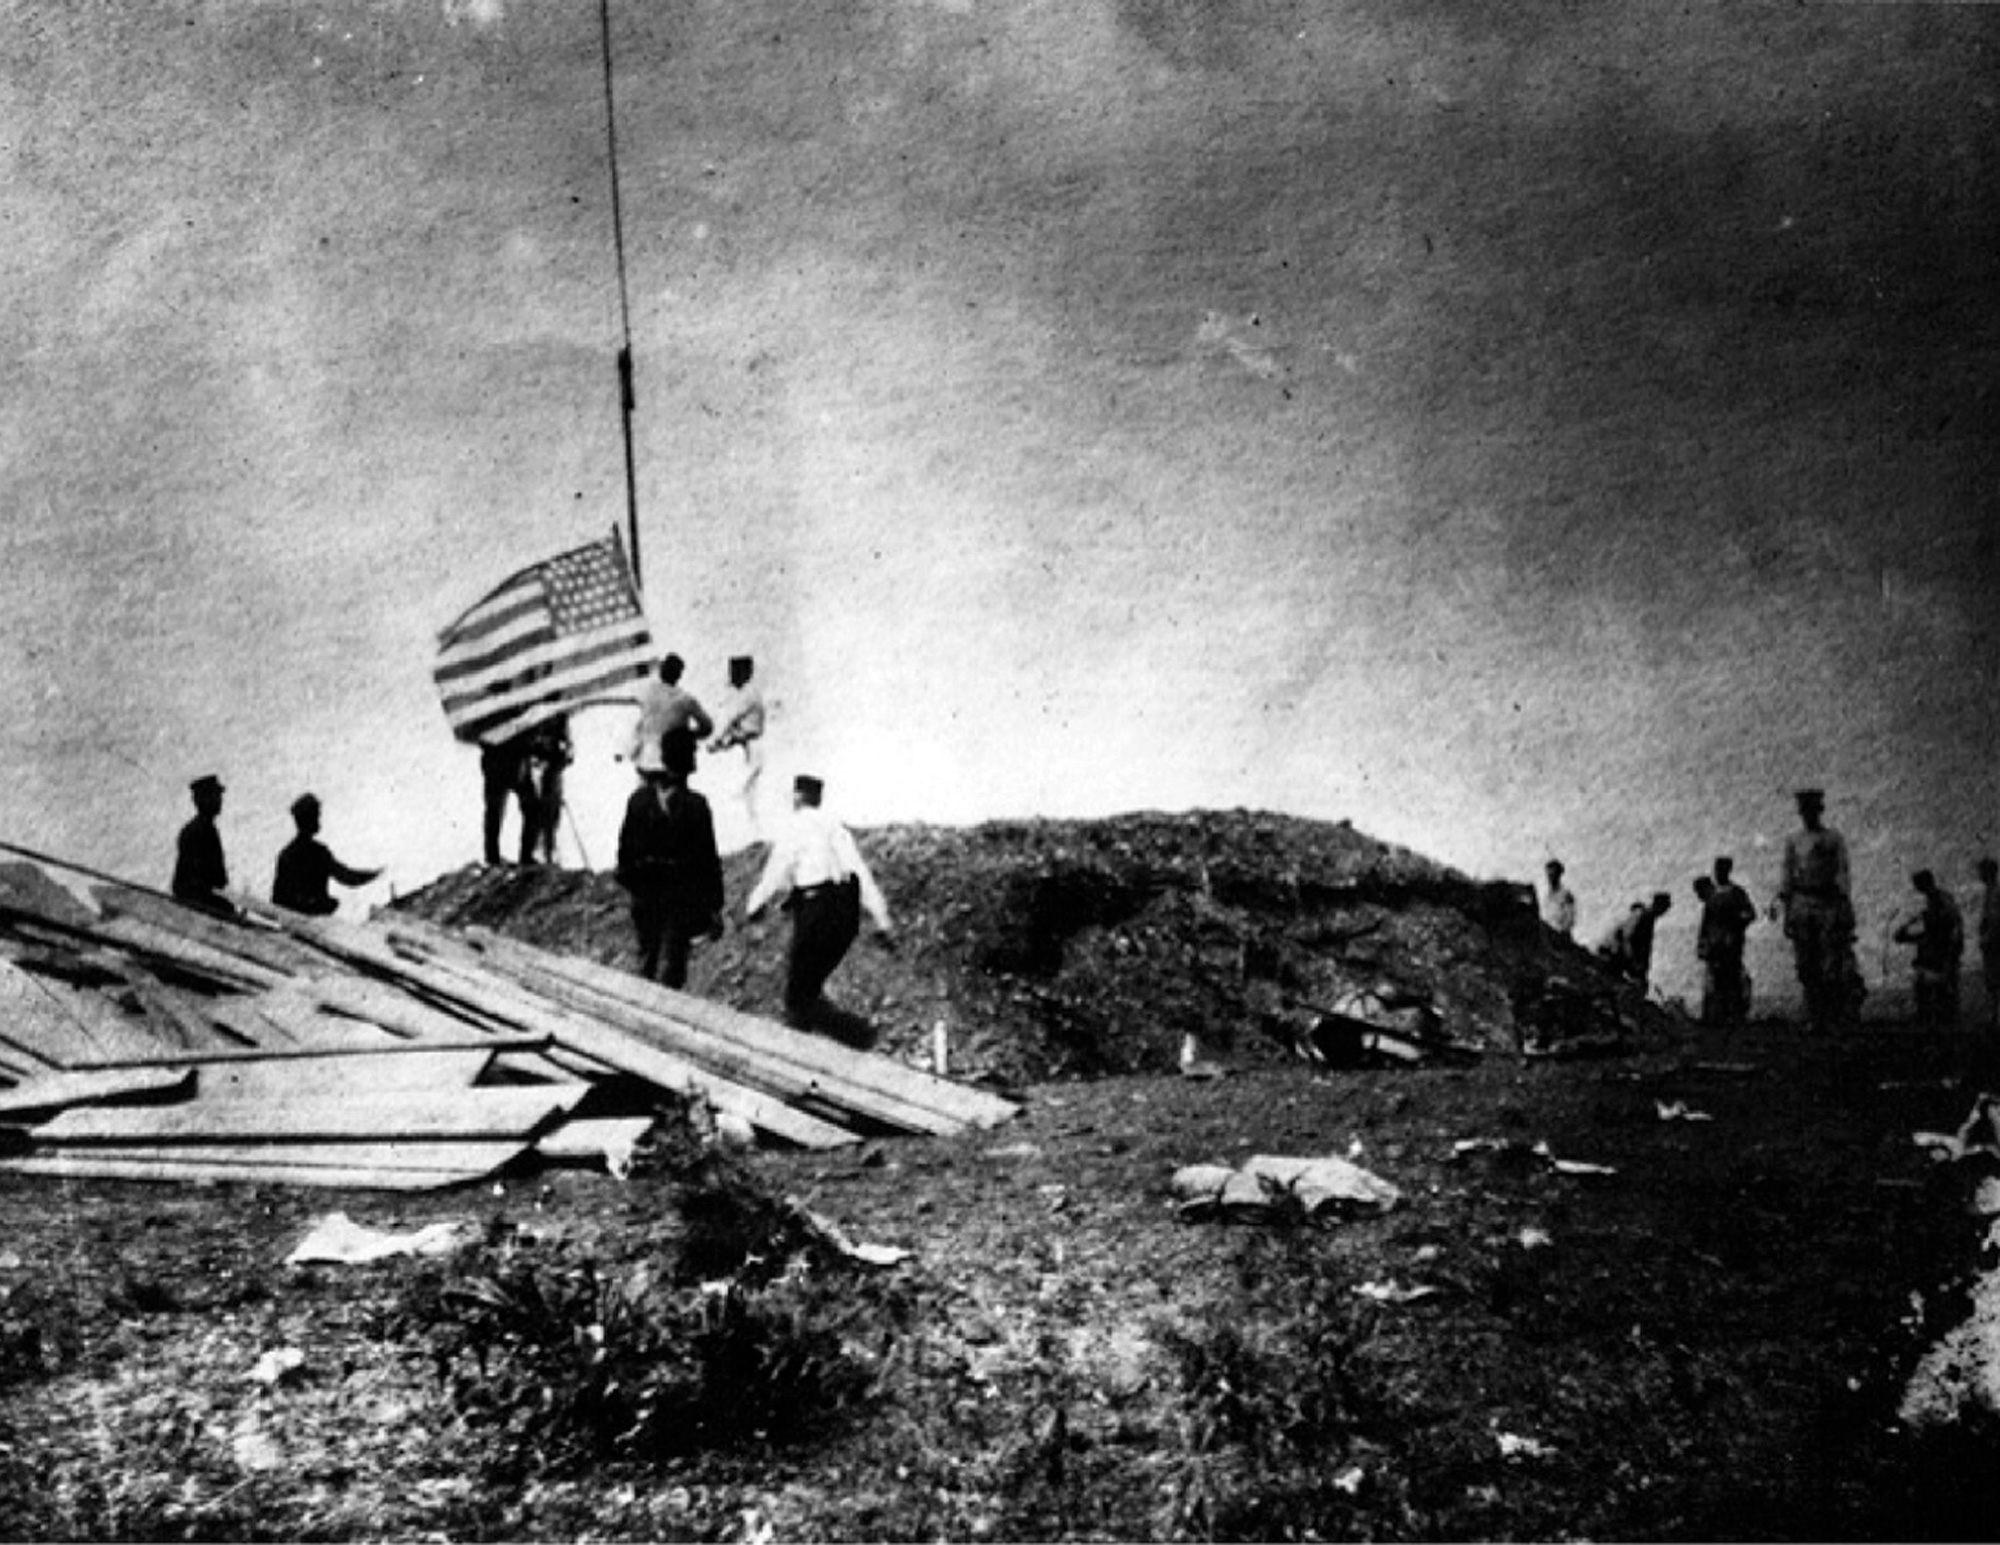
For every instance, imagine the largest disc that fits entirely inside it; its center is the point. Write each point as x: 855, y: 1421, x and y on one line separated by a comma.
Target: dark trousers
x: 1937, y: 998
x: 503, y: 779
x: 825, y: 920
x: 541, y: 813
x: 666, y: 939
x: 1725, y: 998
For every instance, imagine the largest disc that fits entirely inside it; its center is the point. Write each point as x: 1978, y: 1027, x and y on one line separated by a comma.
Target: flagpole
x: 626, y: 400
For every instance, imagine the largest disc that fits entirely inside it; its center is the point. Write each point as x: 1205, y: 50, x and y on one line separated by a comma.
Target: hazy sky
x: 1524, y: 429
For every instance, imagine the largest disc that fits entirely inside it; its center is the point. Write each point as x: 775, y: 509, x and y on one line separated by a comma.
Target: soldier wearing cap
x: 200, y: 875
x: 306, y: 866
x: 667, y: 861
x: 817, y: 872
x: 1814, y: 900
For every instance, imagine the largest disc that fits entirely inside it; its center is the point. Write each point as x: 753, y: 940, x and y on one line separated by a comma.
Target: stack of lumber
x: 141, y: 1039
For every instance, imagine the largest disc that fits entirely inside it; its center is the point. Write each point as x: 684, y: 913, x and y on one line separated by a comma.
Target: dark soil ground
x: 1709, y: 1342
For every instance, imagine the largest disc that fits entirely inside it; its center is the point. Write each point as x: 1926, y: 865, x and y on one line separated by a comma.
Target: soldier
x: 823, y: 881
x: 668, y: 862
x: 1558, y: 902
x: 1629, y: 945
x: 1938, y: 933
x: 1726, y: 916
x: 546, y: 751
x: 1813, y: 898
x: 742, y: 724
x: 200, y: 874
x: 505, y: 779
x: 666, y: 705
x: 307, y: 865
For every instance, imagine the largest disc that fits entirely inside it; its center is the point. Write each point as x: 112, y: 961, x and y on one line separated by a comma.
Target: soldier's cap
x: 1810, y: 796
x: 1554, y: 866
x: 808, y: 785
x: 304, y: 803
x: 207, y: 782
x: 741, y: 662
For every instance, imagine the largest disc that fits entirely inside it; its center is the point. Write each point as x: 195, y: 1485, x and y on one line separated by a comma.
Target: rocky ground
x: 1704, y: 1333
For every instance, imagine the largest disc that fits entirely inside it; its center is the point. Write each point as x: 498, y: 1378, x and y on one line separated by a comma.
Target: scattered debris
x: 1531, y: 1237
x: 1517, y: 1151
x: 279, y: 1365
x: 1514, y: 1446
x: 1394, y: 1292
x: 835, y: 1235
x: 1265, y: 1181
x: 1978, y: 1134
x: 396, y: 1055
x: 339, y: 1239
x: 1680, y: 1110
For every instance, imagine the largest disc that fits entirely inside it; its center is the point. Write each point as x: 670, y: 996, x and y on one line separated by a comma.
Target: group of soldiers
x: 306, y: 868
x: 669, y: 864
x: 1815, y: 904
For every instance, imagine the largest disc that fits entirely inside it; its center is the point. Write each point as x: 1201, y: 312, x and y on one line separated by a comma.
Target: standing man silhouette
x: 200, y: 874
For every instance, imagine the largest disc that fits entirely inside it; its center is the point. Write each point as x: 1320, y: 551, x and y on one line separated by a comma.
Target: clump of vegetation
x: 1286, y: 1418
x: 565, y: 1361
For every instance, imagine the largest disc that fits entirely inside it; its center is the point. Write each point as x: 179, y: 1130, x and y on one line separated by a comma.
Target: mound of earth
x: 1082, y: 948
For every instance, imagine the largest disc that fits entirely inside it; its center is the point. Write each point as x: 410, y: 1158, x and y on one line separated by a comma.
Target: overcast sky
x: 1523, y: 430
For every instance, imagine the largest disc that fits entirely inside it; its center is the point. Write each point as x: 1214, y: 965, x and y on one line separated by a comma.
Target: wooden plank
x: 164, y: 945
x: 175, y: 1021
x: 471, y: 1155
x: 837, y: 1065
x: 410, y: 1071
x: 790, y: 1082
x: 55, y: 1091
x: 589, y: 1046
x: 83, y: 1164
x: 389, y: 1008
x: 609, y: 1140
x: 63, y: 1023
x: 518, y: 1112
x: 162, y: 1058
x: 808, y: 1088
x: 784, y: 1063
x: 509, y: 1004
x: 260, y: 946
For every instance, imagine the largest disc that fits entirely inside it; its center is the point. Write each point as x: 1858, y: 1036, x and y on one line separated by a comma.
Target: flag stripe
x: 493, y: 621
x: 536, y: 634
x: 501, y: 596
x: 600, y: 689
x: 533, y: 672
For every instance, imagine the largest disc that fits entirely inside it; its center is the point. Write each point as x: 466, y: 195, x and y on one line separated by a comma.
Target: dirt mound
x: 1079, y: 948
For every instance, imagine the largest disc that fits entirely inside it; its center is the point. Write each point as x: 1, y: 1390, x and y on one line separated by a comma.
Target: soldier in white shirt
x: 665, y: 705
x: 818, y: 874
x: 741, y: 723
x: 1559, y: 903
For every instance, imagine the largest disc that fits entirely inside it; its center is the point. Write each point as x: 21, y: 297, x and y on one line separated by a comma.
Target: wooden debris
x: 280, y: 1049
x: 519, y: 1113
x: 59, y: 1091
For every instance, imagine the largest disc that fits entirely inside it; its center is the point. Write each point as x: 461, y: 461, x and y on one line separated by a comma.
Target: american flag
x: 551, y: 638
